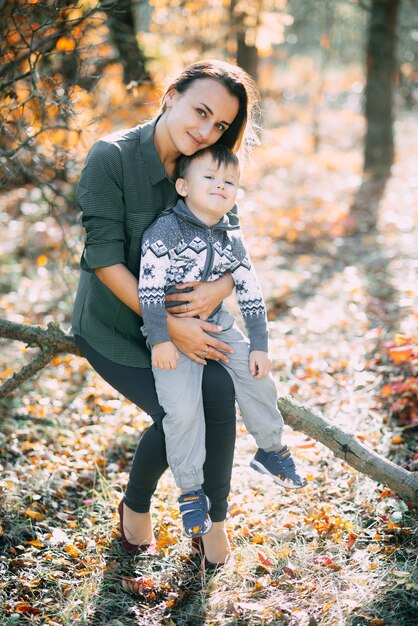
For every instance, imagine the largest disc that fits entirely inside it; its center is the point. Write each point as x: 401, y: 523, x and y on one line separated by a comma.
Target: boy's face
x: 209, y: 190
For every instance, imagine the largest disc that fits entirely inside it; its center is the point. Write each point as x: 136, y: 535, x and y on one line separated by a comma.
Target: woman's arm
x: 189, y: 335
x: 204, y: 297
x: 122, y: 283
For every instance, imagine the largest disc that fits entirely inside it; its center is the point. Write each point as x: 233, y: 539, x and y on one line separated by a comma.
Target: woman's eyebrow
x: 211, y: 112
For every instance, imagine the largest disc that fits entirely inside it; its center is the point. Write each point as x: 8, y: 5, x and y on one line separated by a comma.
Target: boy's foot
x: 280, y: 466
x: 194, y: 507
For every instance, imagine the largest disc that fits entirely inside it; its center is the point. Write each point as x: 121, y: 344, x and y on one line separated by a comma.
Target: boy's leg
x: 180, y: 394
x: 257, y: 398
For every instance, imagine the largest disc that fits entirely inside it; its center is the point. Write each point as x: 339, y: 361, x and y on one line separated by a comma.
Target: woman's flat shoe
x: 198, y: 546
x: 132, y: 548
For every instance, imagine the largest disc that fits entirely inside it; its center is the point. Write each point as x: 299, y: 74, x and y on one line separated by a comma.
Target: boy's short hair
x: 220, y: 154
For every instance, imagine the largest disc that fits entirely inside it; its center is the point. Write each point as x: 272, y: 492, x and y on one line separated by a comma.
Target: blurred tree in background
x: 53, y: 55
x: 72, y: 71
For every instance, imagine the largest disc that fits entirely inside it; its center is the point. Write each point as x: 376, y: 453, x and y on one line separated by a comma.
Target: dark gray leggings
x: 150, y: 461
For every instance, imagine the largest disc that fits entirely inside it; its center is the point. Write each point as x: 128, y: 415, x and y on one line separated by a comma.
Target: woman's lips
x: 194, y: 140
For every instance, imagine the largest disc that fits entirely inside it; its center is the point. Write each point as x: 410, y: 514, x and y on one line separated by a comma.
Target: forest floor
x: 341, y: 309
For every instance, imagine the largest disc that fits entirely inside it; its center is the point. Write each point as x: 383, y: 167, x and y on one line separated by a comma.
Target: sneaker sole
x: 209, y: 527
x: 258, y: 467
x: 205, y: 532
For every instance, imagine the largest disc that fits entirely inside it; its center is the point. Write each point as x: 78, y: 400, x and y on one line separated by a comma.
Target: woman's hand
x: 203, y: 298
x: 191, y: 337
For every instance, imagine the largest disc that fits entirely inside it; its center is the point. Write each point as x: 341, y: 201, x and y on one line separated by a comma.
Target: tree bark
x: 347, y: 447
x: 381, y: 72
x: 50, y: 341
x: 121, y: 24
x: 246, y: 54
x: 53, y: 341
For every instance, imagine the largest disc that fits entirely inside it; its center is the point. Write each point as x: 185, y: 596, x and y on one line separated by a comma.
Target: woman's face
x: 199, y: 116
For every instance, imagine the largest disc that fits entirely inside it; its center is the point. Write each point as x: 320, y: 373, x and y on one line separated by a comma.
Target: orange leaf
x: 66, y: 44
x: 322, y: 560
x: 386, y: 391
x: 137, y: 585
x: 24, y: 607
x: 401, y: 354
x: 165, y: 541
x: 351, y: 539
x: 328, y: 605
x: 397, y: 440
x: 264, y: 560
x: 386, y: 493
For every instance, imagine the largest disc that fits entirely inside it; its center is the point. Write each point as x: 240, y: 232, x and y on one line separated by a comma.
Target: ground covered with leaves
x: 343, y: 338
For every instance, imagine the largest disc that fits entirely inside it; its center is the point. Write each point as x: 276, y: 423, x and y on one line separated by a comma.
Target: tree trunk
x: 247, y: 55
x: 53, y: 340
x: 381, y: 77
x: 121, y: 24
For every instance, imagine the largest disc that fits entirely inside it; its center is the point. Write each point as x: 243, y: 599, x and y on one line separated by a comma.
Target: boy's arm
x: 249, y: 296
x: 155, y: 261
x: 165, y: 356
x: 260, y: 364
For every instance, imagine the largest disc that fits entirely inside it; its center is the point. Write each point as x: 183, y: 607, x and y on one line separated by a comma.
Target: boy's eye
x: 209, y: 177
x: 229, y: 182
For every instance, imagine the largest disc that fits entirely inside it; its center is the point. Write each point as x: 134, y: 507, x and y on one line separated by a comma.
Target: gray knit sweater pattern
x: 178, y: 248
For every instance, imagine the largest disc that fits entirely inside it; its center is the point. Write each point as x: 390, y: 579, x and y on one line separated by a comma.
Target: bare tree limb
x: 347, y: 447
x: 53, y: 340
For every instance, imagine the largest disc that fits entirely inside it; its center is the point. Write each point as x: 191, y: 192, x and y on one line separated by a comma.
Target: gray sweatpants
x: 180, y: 394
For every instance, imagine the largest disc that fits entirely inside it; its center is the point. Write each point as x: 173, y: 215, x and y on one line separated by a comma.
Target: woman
x: 126, y: 183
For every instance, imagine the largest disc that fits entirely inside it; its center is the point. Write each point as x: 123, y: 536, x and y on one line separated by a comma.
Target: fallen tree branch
x: 53, y: 340
x: 347, y: 447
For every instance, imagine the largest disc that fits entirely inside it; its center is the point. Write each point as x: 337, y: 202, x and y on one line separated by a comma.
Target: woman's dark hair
x: 221, y: 155
x: 239, y: 84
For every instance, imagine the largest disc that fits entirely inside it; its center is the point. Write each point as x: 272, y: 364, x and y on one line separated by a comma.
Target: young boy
x: 195, y: 242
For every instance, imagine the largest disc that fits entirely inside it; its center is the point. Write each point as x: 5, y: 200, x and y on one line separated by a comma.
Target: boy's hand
x: 165, y: 356
x: 260, y: 364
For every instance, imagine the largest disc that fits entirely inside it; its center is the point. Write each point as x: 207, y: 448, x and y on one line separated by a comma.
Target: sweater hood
x: 182, y: 211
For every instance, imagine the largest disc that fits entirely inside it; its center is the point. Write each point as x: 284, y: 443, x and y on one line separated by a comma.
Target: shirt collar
x: 152, y: 161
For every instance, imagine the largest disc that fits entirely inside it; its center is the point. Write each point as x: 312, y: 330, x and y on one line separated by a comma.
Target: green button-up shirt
x: 122, y: 189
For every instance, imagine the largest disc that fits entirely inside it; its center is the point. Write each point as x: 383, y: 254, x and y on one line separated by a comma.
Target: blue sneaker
x: 194, y: 507
x: 280, y: 466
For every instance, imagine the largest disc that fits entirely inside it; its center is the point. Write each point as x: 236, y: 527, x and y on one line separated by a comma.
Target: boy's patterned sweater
x: 178, y: 248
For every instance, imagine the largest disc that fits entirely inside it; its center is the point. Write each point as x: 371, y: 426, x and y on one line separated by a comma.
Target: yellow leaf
x: 72, y: 551
x: 284, y: 552
x: 34, y: 515
x: 37, y: 543
x: 41, y: 260
x: 328, y: 605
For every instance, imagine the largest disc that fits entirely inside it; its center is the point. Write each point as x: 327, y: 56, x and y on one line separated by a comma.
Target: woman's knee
x: 217, y: 383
